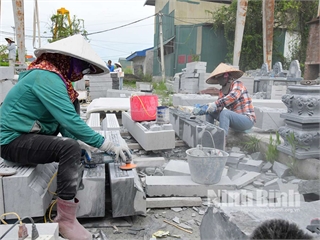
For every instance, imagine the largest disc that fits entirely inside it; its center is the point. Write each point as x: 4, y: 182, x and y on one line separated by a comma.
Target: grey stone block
x: 272, y: 185
x: 234, y: 158
x: 177, y: 168
x: 309, y: 186
x: 266, y: 166
x: 183, y: 186
x: 92, y: 197
x: 143, y: 162
x: 269, y: 118
x: 149, y: 140
x: 280, y: 169
x: 166, y: 202
x: 251, y: 165
x: 193, y: 130
x: 127, y: 194
x: 246, y: 179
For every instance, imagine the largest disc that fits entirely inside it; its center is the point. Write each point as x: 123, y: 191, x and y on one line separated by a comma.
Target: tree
x: 290, y: 15
x: 62, y: 27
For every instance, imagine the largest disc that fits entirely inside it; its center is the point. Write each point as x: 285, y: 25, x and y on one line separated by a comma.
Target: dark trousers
x: 32, y: 149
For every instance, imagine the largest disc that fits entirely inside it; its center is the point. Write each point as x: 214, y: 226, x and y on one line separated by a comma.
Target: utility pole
x: 163, y: 73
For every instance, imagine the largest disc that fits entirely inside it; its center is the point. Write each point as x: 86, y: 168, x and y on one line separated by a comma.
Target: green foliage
x: 164, y: 95
x: 252, y: 145
x: 290, y: 14
x: 61, y: 28
x: 128, y: 71
x: 272, y: 151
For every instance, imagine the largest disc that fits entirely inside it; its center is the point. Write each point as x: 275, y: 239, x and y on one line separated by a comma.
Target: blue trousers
x: 227, y: 118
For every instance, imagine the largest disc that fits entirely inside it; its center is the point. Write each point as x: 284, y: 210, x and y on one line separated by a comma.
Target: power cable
x: 121, y: 25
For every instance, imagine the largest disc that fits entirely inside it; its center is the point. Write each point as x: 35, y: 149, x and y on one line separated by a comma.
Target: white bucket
x: 163, y: 115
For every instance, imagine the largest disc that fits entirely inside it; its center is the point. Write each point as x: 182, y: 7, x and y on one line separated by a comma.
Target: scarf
x: 62, y: 65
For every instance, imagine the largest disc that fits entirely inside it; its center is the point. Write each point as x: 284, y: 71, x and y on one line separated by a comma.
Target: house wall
x: 148, y: 63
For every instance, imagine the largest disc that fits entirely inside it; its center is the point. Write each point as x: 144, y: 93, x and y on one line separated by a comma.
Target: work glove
x: 199, y: 109
x: 87, y: 149
x: 212, y: 107
x: 108, y: 146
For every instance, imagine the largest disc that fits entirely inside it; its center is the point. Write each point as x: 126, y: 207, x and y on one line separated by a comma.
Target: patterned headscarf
x: 68, y: 68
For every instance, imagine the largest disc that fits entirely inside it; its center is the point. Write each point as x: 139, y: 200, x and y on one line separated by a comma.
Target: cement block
x: 183, y: 186
x: 269, y: 118
x: 173, y: 202
x: 149, y: 140
x: 177, y: 168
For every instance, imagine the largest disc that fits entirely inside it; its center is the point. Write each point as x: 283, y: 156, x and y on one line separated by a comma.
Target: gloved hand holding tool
x: 212, y: 107
x: 200, y: 109
x: 121, y: 151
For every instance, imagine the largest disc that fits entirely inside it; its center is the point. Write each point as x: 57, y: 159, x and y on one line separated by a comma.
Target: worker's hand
x: 199, y: 109
x: 212, y: 107
x: 87, y: 149
x: 108, y: 146
x: 123, y: 152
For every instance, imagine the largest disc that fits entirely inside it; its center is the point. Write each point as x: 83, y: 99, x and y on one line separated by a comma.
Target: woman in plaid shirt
x: 234, y: 106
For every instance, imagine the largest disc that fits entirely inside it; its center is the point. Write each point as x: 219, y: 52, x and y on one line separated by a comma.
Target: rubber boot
x: 69, y: 227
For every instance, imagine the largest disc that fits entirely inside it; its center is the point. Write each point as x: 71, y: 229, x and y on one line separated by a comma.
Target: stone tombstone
x: 264, y: 71
x: 277, y: 69
x: 294, y: 70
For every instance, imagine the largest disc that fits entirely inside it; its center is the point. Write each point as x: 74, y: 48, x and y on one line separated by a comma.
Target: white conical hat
x: 223, y: 68
x: 75, y: 46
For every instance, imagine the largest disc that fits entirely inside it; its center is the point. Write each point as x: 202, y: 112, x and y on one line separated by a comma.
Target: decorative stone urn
x: 302, y: 121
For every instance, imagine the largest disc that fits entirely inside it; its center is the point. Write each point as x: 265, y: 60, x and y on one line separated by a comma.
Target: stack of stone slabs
x: 196, y: 131
x: 27, y: 192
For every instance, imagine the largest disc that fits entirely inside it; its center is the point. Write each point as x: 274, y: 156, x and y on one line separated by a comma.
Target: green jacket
x: 39, y: 103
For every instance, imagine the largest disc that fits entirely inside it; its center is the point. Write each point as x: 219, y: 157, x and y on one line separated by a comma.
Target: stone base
x: 306, y: 139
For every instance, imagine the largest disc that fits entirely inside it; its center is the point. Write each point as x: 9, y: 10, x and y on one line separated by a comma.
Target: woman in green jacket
x: 40, y: 106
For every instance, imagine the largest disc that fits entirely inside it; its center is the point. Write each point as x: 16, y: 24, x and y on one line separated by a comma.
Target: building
x: 142, y: 62
x: 187, y: 35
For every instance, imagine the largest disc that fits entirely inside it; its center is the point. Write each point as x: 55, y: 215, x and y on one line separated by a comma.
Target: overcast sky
x: 98, y: 15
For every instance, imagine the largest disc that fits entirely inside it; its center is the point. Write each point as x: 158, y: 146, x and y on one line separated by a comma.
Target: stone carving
x: 302, y: 140
x: 287, y: 99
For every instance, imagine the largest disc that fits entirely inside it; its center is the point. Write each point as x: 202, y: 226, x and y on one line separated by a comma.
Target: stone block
x: 193, y: 130
x: 177, y: 168
x: 143, y: 162
x: 234, y: 158
x: 272, y: 185
x: 266, y: 166
x: 183, y: 186
x: 280, y: 169
x: 246, y: 179
x: 127, y: 195
x: 92, y: 197
x: 309, y: 186
x: 269, y: 118
x: 149, y: 140
x: 166, y: 202
x: 250, y: 165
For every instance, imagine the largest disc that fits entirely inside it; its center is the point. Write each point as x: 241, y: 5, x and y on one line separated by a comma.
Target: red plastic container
x: 143, y: 108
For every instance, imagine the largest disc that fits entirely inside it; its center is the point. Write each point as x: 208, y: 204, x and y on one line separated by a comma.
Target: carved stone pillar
x: 302, y: 121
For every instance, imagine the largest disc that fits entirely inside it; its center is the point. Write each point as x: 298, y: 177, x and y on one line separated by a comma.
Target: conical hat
x: 223, y: 68
x: 75, y: 46
x: 9, y: 38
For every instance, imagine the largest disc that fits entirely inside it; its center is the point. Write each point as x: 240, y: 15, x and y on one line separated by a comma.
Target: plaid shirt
x: 237, y: 100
